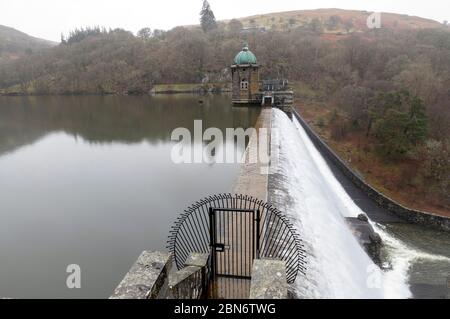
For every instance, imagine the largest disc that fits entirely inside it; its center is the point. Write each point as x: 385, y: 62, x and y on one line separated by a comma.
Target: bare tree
x: 144, y: 33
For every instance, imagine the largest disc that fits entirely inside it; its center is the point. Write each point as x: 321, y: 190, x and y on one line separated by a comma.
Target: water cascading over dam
x: 304, y: 187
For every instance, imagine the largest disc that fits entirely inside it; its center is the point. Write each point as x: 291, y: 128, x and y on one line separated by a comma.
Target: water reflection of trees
x: 107, y: 119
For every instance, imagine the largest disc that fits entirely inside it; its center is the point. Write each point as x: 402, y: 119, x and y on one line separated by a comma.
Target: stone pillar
x: 191, y: 282
x: 268, y: 279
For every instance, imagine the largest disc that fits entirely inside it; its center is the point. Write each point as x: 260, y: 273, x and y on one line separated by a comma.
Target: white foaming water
x: 402, y: 256
x: 337, y: 266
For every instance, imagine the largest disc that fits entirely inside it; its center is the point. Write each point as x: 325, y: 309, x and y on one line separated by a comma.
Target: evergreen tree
x: 207, y: 18
x: 401, y: 123
x: 144, y: 34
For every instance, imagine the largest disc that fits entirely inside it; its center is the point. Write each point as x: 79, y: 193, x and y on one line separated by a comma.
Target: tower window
x: 244, y: 84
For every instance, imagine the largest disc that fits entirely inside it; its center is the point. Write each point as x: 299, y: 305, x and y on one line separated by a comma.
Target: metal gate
x: 234, y: 230
x: 235, y: 241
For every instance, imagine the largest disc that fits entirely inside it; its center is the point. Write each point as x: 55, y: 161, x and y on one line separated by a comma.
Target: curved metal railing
x: 277, y: 236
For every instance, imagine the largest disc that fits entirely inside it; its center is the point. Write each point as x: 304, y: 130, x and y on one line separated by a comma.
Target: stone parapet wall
x: 147, y: 278
x: 252, y: 179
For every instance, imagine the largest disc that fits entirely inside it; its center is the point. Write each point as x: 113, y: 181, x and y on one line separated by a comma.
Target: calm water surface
x: 90, y: 181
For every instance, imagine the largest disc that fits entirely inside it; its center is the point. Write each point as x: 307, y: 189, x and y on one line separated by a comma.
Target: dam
x: 319, y: 202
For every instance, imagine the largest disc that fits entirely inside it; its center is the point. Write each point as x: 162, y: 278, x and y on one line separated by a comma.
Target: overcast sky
x: 49, y: 18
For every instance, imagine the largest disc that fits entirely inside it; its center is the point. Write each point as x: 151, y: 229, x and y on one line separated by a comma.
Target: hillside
x: 15, y: 44
x: 96, y: 60
x: 335, y: 21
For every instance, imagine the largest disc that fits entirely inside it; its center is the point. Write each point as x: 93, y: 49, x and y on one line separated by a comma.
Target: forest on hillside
x: 391, y: 86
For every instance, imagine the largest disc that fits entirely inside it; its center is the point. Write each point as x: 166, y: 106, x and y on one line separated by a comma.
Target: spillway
x: 304, y: 187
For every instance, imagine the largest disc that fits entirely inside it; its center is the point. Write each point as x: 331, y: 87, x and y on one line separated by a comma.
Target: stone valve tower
x: 245, y: 78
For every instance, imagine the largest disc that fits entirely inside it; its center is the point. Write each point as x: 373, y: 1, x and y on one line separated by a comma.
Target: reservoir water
x: 90, y: 181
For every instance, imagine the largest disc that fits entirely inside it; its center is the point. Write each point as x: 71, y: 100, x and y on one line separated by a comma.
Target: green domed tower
x: 245, y: 78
